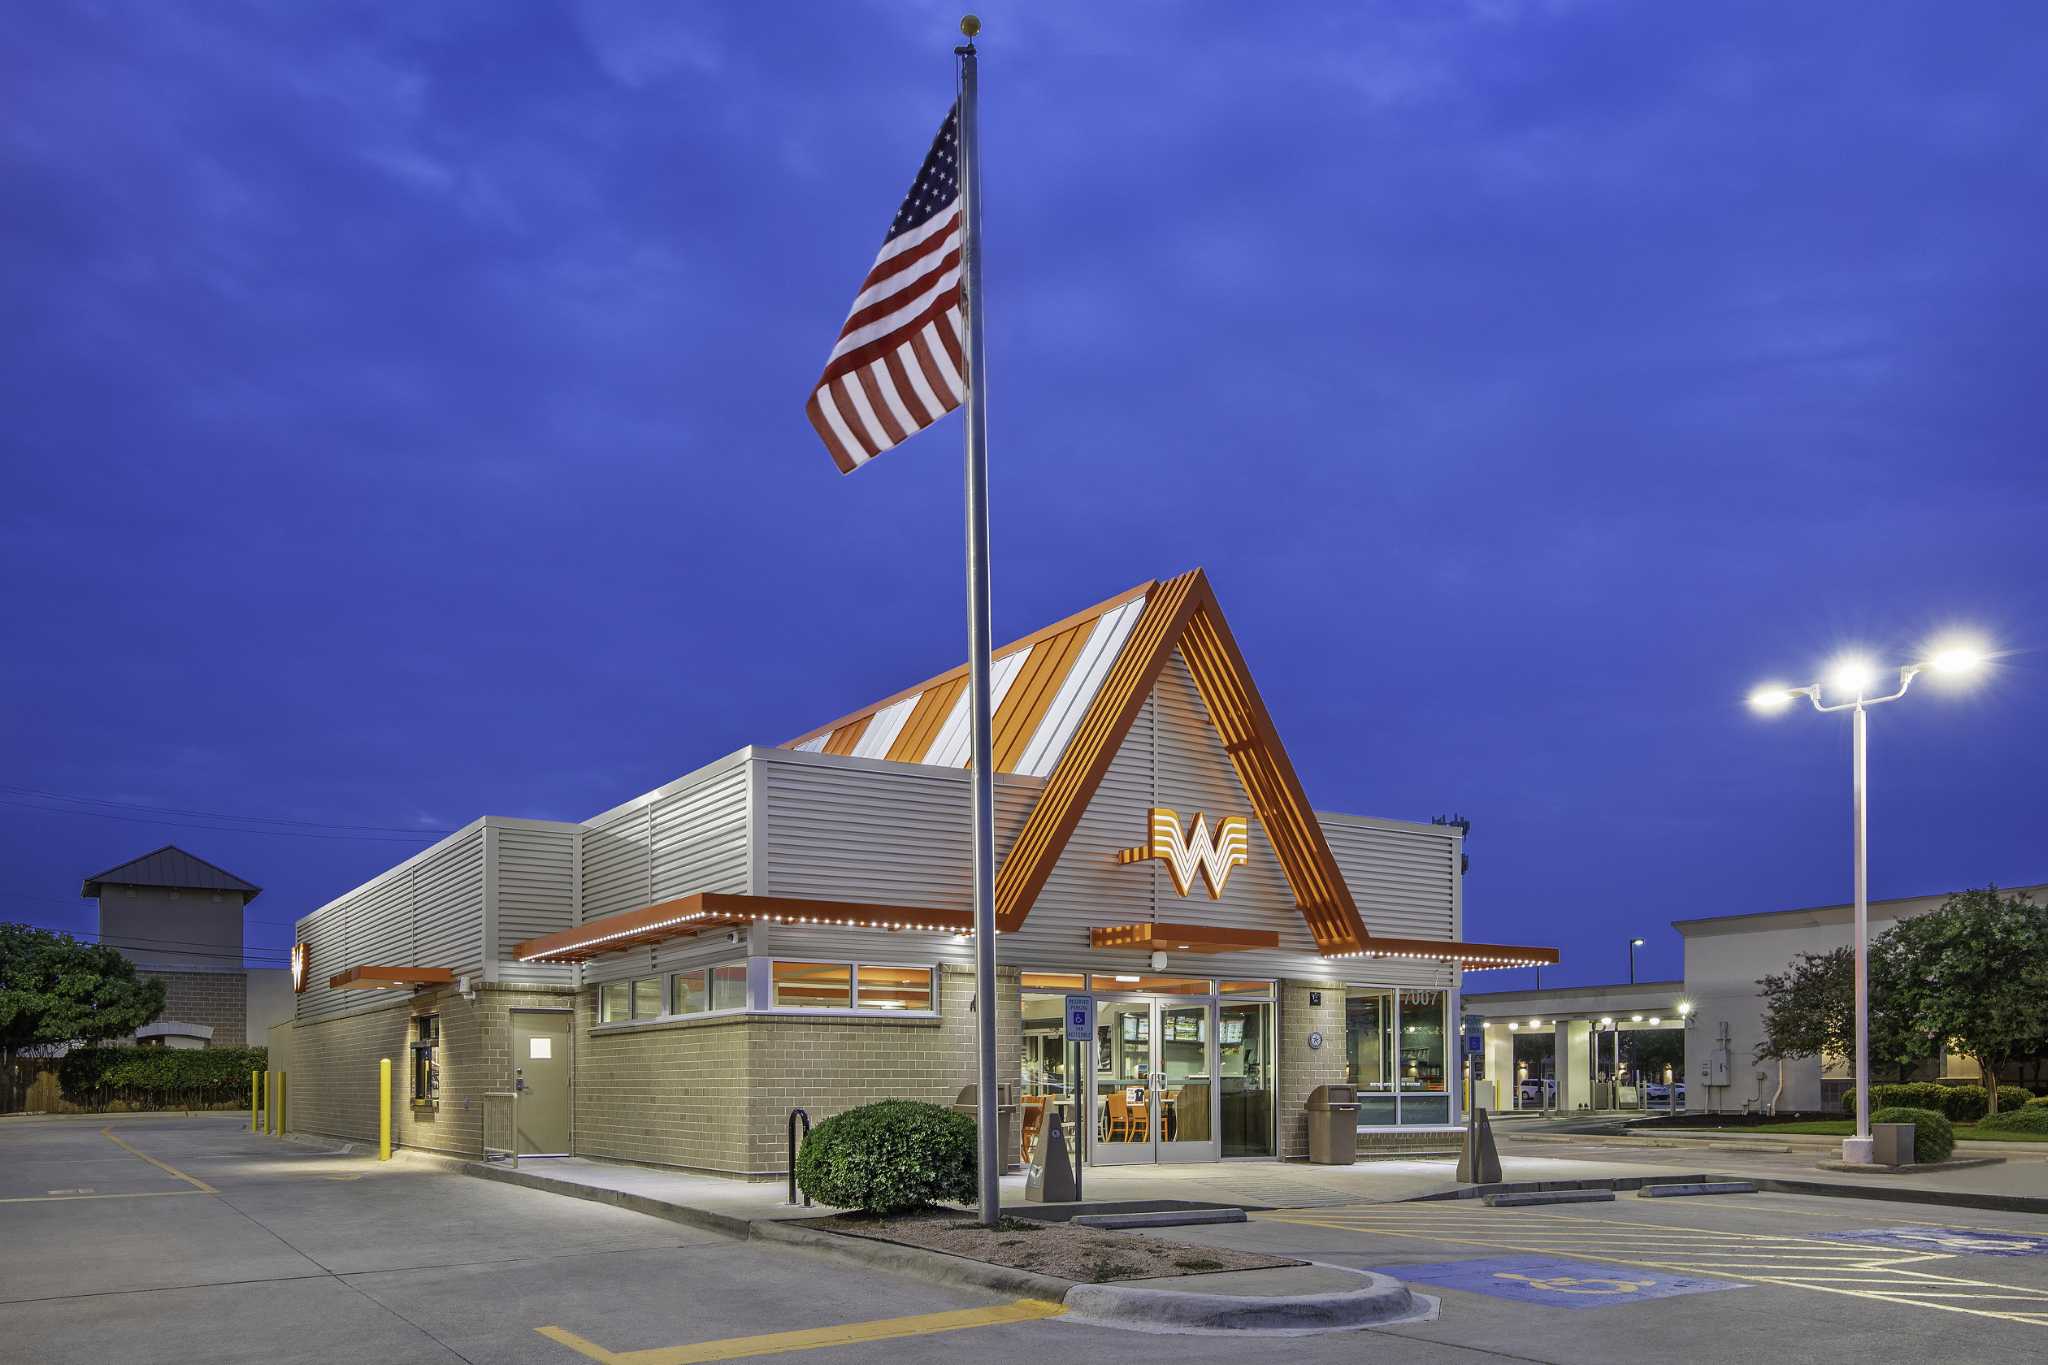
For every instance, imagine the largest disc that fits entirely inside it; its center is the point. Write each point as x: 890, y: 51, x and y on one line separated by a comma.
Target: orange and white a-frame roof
x: 1064, y: 698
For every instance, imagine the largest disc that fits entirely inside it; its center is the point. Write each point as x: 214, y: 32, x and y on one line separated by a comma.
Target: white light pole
x: 1633, y: 944
x: 1852, y: 677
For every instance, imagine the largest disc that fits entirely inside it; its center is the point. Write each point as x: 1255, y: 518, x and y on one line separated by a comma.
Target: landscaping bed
x: 1062, y: 1250
x: 1965, y: 1132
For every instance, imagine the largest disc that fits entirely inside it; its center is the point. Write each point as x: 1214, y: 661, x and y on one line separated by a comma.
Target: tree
x: 1974, y: 975
x: 1810, y: 1010
x: 54, y: 989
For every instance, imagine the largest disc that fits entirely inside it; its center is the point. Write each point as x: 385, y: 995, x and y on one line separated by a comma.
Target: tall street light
x: 1633, y: 944
x: 1852, y: 678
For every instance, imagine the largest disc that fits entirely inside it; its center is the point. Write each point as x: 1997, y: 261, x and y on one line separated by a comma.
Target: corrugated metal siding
x: 857, y: 831
x: 616, y: 865
x: 426, y: 912
x: 689, y: 836
x: 536, y: 895
x: 700, y: 837
x: 1405, y: 881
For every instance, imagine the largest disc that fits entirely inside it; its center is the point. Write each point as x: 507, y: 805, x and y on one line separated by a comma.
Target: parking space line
x: 811, y: 1338
x: 166, y: 1167
x: 136, y: 1194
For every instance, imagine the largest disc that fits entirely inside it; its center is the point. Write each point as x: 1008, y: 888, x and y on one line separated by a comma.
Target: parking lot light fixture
x: 1855, y: 676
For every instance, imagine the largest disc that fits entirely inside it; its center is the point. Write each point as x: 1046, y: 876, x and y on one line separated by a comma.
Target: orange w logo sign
x: 1186, y: 853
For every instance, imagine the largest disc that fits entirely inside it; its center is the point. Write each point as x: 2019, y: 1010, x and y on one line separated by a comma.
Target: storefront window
x: 1155, y: 985
x: 1054, y: 981
x: 842, y: 986
x: 813, y: 985
x: 893, y: 988
x: 647, y: 998
x: 1425, y: 1094
x: 692, y: 992
x: 1244, y: 1037
x: 614, y: 1002
x: 729, y: 986
x: 1369, y: 1052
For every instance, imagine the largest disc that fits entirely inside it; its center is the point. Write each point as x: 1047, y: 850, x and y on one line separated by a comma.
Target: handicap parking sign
x: 1560, y: 1284
x: 1957, y: 1241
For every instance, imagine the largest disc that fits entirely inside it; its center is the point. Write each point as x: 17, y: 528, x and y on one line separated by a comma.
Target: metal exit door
x: 540, y: 1073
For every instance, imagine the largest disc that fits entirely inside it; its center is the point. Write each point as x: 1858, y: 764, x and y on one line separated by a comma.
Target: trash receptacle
x: 1333, y: 1125
x: 1892, y: 1143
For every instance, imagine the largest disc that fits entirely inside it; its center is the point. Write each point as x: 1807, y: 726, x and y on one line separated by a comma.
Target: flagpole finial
x: 970, y: 26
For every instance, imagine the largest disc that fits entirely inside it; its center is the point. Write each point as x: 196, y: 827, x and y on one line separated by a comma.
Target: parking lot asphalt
x: 191, y: 1239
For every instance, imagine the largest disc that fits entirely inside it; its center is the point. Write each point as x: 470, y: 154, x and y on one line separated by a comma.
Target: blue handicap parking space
x: 1961, y: 1241
x: 1560, y: 1284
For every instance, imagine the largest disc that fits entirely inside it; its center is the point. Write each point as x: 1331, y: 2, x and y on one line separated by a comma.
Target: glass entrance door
x: 1155, y: 1091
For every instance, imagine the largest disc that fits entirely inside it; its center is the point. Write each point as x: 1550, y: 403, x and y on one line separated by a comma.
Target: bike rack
x: 506, y: 1102
x: 794, y: 1115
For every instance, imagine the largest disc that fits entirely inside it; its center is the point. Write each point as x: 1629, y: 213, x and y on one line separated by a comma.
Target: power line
x: 224, y: 829
x: 411, y: 831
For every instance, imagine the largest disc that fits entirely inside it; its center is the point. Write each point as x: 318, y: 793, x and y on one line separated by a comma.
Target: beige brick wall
x: 332, y: 1083
x: 715, y: 1094
x: 1303, y: 1069
x: 219, y: 1000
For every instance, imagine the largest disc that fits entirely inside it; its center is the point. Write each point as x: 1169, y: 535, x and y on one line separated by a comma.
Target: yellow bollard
x: 270, y: 1102
x: 282, y: 1095
x: 255, y: 1101
x: 384, y: 1109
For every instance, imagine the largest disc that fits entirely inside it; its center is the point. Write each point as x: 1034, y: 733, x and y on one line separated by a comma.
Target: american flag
x: 897, y: 366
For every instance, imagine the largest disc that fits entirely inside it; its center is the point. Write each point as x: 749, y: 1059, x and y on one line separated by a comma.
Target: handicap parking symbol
x: 1958, y: 1241
x: 1560, y: 1284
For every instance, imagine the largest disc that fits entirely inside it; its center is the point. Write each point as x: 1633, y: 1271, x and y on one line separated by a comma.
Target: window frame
x: 854, y: 1008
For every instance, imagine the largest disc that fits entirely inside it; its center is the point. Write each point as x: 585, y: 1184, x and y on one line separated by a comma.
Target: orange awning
x: 1182, y: 938
x: 1473, y: 957
x: 384, y: 978
x: 687, y: 915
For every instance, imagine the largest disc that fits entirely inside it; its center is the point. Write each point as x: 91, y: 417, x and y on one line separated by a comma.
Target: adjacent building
x: 790, y: 927
x: 178, y: 918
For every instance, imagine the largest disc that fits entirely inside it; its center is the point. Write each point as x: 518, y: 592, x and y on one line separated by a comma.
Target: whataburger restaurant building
x: 790, y: 927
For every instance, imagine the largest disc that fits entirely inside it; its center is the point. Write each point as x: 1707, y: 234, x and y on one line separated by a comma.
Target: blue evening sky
x: 403, y: 415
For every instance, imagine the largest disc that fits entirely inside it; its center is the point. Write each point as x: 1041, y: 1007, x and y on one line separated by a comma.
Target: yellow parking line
x: 166, y: 1167
x: 811, y: 1338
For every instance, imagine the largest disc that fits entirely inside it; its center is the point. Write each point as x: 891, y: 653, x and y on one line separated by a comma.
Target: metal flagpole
x: 983, y: 768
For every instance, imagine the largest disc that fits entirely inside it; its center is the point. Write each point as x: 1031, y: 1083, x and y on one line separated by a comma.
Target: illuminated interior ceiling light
x: 1535, y: 1023
x: 1656, y: 1019
x: 1635, y: 1018
x: 1606, y: 1023
x: 1513, y: 1026
x: 1121, y: 976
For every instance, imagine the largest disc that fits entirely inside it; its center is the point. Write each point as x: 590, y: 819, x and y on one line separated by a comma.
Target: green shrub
x: 2014, y: 1097
x: 1965, y: 1103
x: 1906, y: 1094
x: 159, y: 1077
x: 1933, y: 1136
x: 2040, y: 1100
x: 893, y: 1157
x: 2024, y: 1118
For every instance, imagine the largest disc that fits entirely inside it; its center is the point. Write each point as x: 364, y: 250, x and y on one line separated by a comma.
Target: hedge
x: 2041, y: 1100
x: 1957, y: 1103
x: 2028, y: 1118
x: 897, y: 1156
x: 1933, y: 1137
x: 160, y: 1077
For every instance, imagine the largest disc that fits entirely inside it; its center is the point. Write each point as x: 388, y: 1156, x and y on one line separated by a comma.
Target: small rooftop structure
x: 171, y: 867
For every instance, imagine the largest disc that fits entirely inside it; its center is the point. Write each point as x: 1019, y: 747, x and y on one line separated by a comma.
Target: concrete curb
x: 1527, y: 1198
x: 1680, y: 1189
x: 1910, y: 1194
x: 1173, y: 1218
x: 618, y: 1199
x: 1382, y: 1301
x: 1960, y: 1163
x: 1626, y: 1182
